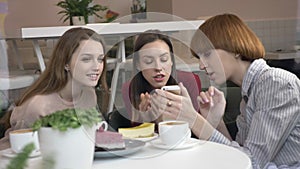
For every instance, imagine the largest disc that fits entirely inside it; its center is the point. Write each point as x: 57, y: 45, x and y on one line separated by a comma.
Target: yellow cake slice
x: 141, y: 131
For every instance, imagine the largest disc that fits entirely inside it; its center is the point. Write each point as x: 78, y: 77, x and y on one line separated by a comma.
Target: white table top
x: 112, y: 28
x: 204, y: 155
x: 116, y: 29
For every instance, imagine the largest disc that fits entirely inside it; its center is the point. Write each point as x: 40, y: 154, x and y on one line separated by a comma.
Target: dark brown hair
x: 139, y: 84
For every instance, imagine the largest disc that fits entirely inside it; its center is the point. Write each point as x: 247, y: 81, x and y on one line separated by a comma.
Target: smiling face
x: 218, y: 64
x: 86, y: 65
x: 155, y: 63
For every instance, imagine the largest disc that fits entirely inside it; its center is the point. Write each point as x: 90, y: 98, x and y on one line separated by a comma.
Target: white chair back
x: 122, y: 74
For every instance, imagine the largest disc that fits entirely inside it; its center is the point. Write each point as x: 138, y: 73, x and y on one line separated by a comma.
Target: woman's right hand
x: 173, y: 106
x: 145, y: 102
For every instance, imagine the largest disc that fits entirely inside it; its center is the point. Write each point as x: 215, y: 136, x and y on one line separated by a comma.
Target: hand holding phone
x: 172, y: 88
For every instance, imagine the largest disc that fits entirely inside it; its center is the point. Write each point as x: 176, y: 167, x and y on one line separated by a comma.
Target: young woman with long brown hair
x: 76, y: 65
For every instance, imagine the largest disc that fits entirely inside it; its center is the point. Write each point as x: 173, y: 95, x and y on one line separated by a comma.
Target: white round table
x: 203, y: 155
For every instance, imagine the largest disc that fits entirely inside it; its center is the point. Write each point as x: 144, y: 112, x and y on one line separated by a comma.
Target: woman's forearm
x: 202, y: 128
x: 223, y: 129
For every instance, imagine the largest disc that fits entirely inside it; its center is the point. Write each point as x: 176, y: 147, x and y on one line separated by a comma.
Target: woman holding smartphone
x: 154, y: 67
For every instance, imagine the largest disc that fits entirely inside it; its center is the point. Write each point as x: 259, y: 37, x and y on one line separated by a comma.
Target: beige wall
x: 249, y: 10
x: 164, y: 6
x: 28, y: 13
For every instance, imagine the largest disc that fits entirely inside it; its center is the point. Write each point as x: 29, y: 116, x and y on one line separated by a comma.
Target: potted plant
x: 79, y: 8
x: 111, y: 15
x: 138, y: 10
x: 21, y: 159
x: 67, y: 137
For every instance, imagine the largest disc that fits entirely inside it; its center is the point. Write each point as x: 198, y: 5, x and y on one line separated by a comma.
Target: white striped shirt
x: 273, y: 101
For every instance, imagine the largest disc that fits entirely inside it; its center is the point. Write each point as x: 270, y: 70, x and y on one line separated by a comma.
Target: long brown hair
x: 55, y: 78
x: 227, y: 32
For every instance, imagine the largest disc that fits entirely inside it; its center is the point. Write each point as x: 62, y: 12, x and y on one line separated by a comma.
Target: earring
x: 67, y: 68
x: 237, y: 56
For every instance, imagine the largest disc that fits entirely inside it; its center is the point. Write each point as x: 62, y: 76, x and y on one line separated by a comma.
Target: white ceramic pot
x: 72, y: 149
x: 78, y: 20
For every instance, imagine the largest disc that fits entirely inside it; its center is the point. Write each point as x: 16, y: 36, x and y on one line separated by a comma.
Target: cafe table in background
x: 202, y: 154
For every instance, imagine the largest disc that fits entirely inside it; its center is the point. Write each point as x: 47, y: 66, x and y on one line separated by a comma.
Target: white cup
x: 174, y: 132
x: 102, y: 126
x: 20, y: 138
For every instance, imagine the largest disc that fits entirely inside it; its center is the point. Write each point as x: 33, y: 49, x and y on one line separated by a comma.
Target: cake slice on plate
x: 142, y: 131
x: 108, y: 140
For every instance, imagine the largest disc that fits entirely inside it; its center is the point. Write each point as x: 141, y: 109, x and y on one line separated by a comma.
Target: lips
x: 93, y: 76
x: 159, y: 78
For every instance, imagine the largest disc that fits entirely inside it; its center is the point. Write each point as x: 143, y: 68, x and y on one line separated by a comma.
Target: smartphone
x: 172, y: 88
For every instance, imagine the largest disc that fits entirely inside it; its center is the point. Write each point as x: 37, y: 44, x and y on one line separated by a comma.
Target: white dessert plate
x: 188, y: 144
x: 131, y: 146
x: 9, y: 153
x: 146, y: 139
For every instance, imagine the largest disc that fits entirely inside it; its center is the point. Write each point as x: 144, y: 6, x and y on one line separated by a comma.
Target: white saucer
x: 188, y: 144
x: 9, y: 153
x: 146, y: 139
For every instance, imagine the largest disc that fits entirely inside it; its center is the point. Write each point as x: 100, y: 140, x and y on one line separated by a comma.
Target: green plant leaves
x: 78, y: 8
x: 20, y: 161
x: 68, y: 118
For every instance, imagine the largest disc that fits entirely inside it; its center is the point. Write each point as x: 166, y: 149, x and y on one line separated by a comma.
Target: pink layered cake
x: 108, y: 140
